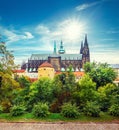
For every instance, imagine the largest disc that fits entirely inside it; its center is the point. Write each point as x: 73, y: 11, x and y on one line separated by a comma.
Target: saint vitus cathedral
x: 60, y: 60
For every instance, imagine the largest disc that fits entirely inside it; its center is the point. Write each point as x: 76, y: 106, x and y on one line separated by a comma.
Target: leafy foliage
x: 70, y: 110
x: 100, y: 73
x: 40, y: 91
x: 6, y: 105
x: 86, y: 91
x: 17, y: 110
x: 106, y: 94
x: 63, y: 87
x: 22, y: 97
x: 1, y: 109
x: 114, y: 110
x: 40, y: 110
x: 92, y: 109
x: 8, y: 86
x: 6, y: 60
x: 7, y: 90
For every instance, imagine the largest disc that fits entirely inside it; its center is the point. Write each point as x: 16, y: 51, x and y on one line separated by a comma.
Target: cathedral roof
x: 63, y: 56
x: 46, y: 64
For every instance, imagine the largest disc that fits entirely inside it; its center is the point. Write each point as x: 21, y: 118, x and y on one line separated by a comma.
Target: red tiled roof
x: 46, y: 64
x: 78, y: 73
x: 33, y: 79
x: 58, y: 72
x: 19, y: 71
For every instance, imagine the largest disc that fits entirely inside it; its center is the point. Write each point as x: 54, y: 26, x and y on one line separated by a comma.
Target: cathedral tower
x: 85, y: 51
x: 81, y: 49
x: 55, y: 50
x: 61, y: 50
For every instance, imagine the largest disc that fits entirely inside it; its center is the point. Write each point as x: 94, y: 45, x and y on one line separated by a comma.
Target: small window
x: 44, y: 69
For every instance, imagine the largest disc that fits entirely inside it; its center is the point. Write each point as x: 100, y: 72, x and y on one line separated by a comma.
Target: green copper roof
x: 63, y: 56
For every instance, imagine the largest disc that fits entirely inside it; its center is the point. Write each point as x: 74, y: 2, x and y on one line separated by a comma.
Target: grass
x: 55, y: 117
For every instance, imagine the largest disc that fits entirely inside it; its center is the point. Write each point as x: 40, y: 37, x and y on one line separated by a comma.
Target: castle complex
x: 60, y: 60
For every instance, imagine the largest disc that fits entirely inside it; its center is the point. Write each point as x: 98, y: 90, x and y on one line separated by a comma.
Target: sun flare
x: 73, y: 29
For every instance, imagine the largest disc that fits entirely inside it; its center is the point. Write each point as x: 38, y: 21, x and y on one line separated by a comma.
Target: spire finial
x: 55, y: 50
x: 61, y: 50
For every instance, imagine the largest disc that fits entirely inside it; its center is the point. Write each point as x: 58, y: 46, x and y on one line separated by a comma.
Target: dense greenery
x: 17, y: 110
x: 92, y: 109
x: 40, y: 110
x: 70, y: 110
x: 92, y: 95
x: 100, y: 73
x: 8, y: 86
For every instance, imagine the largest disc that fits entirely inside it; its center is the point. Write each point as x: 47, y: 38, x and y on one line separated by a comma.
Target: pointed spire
x: 55, y: 50
x: 61, y: 45
x: 86, y: 41
x: 81, y: 49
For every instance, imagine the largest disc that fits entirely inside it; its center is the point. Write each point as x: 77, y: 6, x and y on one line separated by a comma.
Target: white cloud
x: 71, y: 31
x: 42, y: 29
x: 28, y: 35
x: 14, y: 35
x: 110, y: 57
x: 86, y: 5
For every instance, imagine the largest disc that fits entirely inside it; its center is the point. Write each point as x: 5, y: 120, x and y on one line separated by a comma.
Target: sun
x: 73, y: 29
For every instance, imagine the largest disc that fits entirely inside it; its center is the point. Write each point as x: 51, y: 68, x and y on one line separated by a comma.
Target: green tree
x: 40, y: 91
x: 100, y: 73
x: 6, y: 60
x: 63, y: 87
x: 8, y: 86
x: 22, y: 95
x: 86, y: 92
x: 107, y: 95
x: 7, y: 90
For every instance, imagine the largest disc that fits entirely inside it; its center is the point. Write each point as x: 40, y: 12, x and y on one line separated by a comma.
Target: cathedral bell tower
x: 61, y: 50
x: 85, y: 51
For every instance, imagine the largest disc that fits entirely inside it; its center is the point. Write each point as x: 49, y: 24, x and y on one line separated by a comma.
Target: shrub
x: 114, y: 110
x: 40, y: 110
x: 70, y: 110
x: 17, y: 110
x: 55, y: 107
x: 1, y: 109
x: 92, y: 109
x: 6, y: 105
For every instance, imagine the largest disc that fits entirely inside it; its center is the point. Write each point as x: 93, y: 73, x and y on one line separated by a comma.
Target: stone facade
x: 60, y: 61
x: 46, y: 70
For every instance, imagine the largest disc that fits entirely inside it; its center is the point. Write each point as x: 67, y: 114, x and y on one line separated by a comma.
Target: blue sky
x: 31, y: 26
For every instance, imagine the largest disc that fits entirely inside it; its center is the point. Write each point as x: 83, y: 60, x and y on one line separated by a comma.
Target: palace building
x: 60, y: 60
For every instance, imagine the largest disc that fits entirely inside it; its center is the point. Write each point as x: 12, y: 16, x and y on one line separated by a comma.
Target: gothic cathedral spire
x: 86, y: 41
x: 86, y: 52
x: 55, y: 50
x: 81, y: 49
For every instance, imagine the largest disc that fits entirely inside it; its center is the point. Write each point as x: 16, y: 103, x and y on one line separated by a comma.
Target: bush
x: 114, y: 110
x: 70, y: 110
x: 1, y: 109
x: 6, y: 105
x: 55, y: 107
x: 92, y: 109
x: 17, y: 110
x: 40, y: 110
